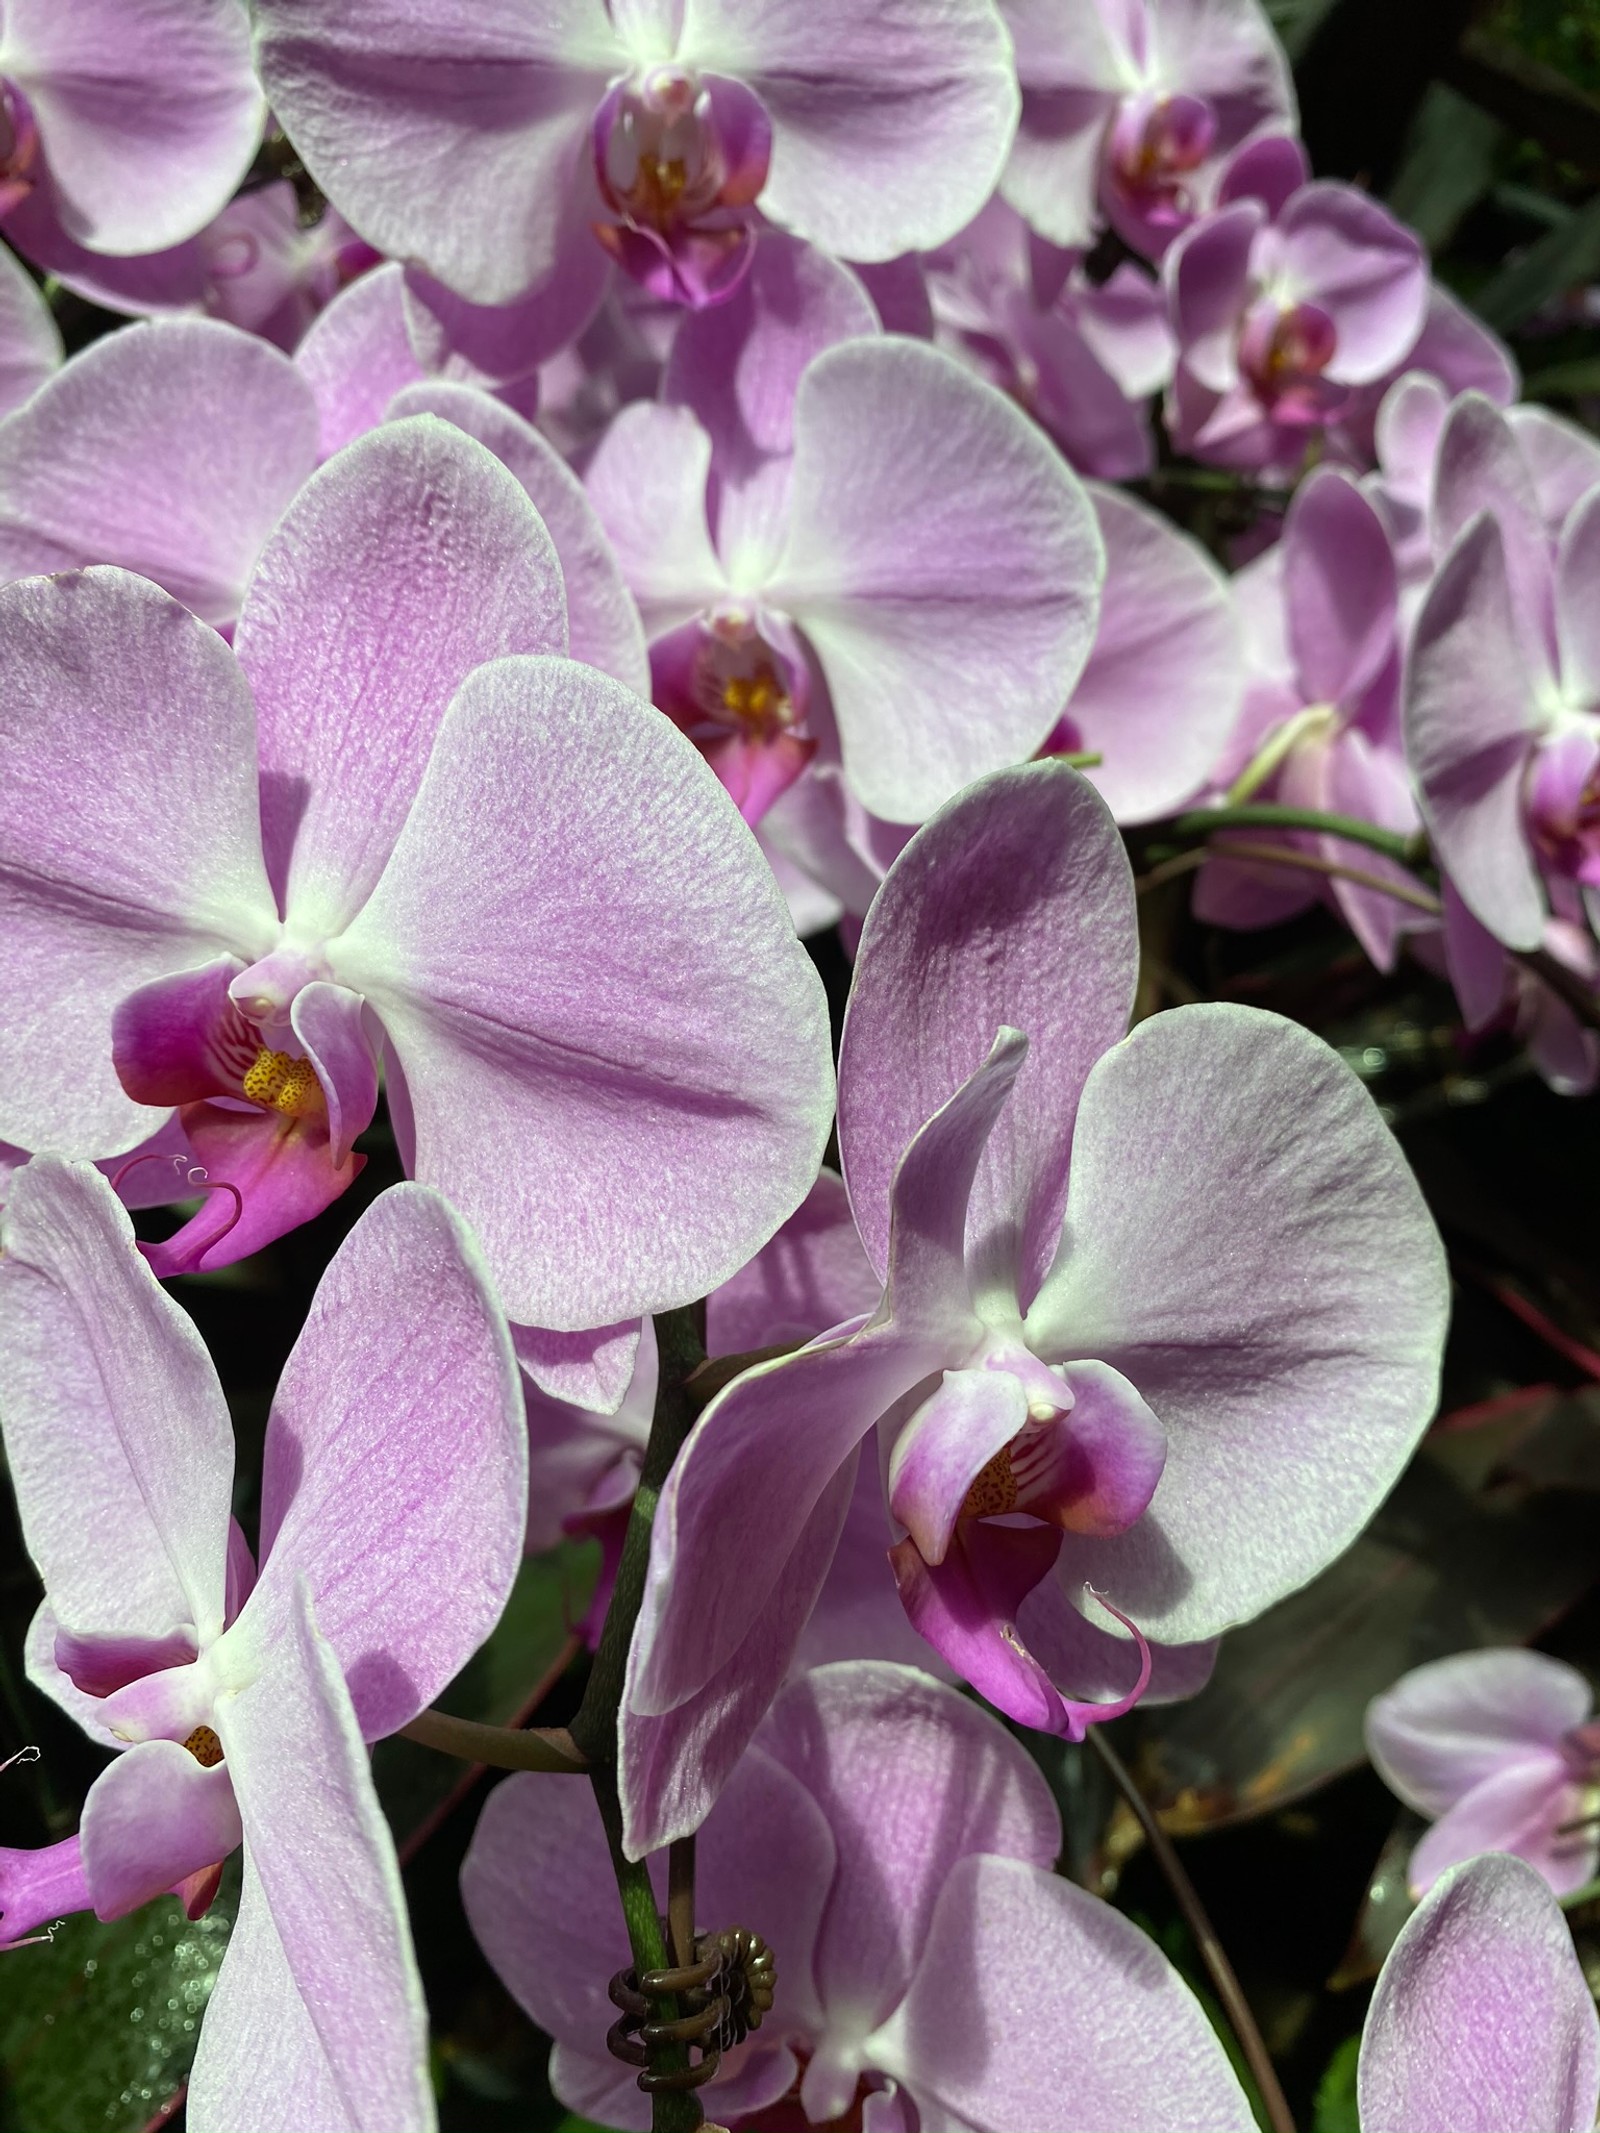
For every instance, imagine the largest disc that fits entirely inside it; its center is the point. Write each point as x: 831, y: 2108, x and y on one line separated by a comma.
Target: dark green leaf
x: 1559, y: 261
x: 1449, y: 165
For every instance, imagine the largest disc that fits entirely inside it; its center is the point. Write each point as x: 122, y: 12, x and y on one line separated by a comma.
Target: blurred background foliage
x: 1480, y: 124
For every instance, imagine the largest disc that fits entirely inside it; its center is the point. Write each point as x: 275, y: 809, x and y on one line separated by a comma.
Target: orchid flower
x: 391, y: 1526
x: 174, y: 449
x: 1320, y: 727
x: 124, y: 124
x: 1500, y: 1751
x: 1482, y: 2021
x: 1284, y: 300
x: 253, y: 265
x: 1502, y: 710
x: 1161, y: 1322
x: 894, y: 1847
x: 1129, y: 108
x: 493, y: 148
x: 845, y: 548
x: 373, y: 836
x: 30, y: 340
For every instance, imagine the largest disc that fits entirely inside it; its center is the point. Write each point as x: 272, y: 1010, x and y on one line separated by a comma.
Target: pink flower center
x: 1156, y: 143
x: 1283, y: 351
x: 680, y: 162
x: 742, y: 683
x: 1563, y: 805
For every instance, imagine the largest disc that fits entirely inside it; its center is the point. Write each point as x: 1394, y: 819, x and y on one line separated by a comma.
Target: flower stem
x: 500, y: 1747
x: 1205, y: 821
x: 1228, y: 1989
x: 681, y: 1346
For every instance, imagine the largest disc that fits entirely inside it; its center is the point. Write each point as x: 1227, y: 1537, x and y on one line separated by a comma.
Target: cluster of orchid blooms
x: 456, y: 647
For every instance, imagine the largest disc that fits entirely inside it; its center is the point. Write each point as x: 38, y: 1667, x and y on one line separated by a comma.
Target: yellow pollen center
x: 756, y: 699
x: 279, y: 1082
x: 205, y: 1747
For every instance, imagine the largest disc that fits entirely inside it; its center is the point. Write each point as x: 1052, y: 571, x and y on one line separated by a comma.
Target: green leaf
x: 1565, y: 381
x: 1448, y: 166
x: 1445, y: 1566
x: 1559, y: 261
x: 98, y: 2029
x: 1334, y: 2110
x: 552, y: 1592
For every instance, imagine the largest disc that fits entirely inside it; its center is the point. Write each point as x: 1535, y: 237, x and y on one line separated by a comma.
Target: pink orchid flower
x: 894, y: 1848
x: 125, y: 125
x: 1129, y: 108
x: 30, y: 340
x: 1284, y: 300
x: 494, y: 149
x: 842, y: 543
x: 1135, y: 1297
x: 1502, y: 709
x: 372, y: 837
x: 1482, y: 2021
x: 1500, y: 1751
x: 391, y: 1526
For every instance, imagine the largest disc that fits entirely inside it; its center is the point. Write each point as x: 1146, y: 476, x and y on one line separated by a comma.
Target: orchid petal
x: 532, y: 977
x: 116, y: 1432
x: 1035, y: 2005
x: 674, y: 1764
x: 1471, y: 715
x: 1162, y: 688
x: 407, y: 561
x: 1482, y: 2021
x: 148, y: 117
x: 152, y: 1818
x: 810, y: 1276
x: 1577, y: 611
x: 911, y: 1780
x: 1524, y: 1809
x: 30, y: 340
x: 281, y: 1168
x: 170, y: 448
x: 647, y: 481
x: 992, y: 600
x: 1207, y: 279
x: 591, y: 1369
x: 486, y: 110
x: 1014, y: 906
x: 1343, y: 252
x: 603, y: 626
x: 1479, y: 466
x: 889, y: 131
x: 357, y: 354
x: 317, y: 2018
x: 966, y: 1607
x: 334, y: 1031
x: 970, y: 1417
x: 1341, y: 589
x: 1072, y: 74
x: 395, y: 1471
x: 1280, y: 1312
x: 1093, y: 1661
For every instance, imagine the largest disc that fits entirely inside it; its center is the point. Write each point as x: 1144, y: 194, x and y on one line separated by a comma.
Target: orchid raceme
x: 838, y: 540
x: 894, y: 1848
x: 391, y: 1528
x: 1500, y: 1751
x: 659, y: 126
x: 1088, y: 1377
x: 301, y: 905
